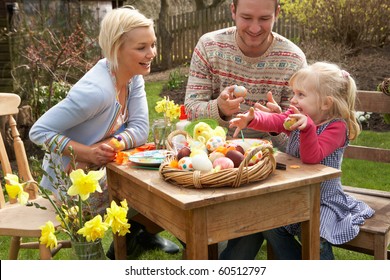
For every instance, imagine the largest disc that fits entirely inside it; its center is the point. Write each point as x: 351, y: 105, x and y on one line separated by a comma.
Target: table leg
x: 120, y: 247
x: 213, y: 251
x: 196, y: 235
x: 119, y: 241
x: 311, y: 228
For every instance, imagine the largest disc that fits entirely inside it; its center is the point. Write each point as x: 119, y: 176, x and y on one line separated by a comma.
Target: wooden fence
x: 186, y: 29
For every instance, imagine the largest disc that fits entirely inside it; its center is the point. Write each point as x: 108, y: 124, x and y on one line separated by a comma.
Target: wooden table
x: 201, y: 217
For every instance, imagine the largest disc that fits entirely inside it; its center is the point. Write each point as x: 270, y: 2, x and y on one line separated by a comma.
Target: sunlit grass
x: 366, y: 174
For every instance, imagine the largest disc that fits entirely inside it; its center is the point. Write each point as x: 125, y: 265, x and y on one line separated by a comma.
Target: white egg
x: 201, y: 163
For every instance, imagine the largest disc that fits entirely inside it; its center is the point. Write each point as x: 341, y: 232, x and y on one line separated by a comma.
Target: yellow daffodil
x: 48, y: 237
x: 169, y: 108
x: 93, y: 229
x: 116, y: 218
x: 16, y: 189
x: 85, y: 184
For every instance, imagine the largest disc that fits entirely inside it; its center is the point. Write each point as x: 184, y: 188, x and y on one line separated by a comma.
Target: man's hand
x: 227, y: 103
x: 271, y: 106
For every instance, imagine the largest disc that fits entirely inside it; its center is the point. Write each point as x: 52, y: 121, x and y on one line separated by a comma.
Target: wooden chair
x: 374, y: 235
x: 20, y: 221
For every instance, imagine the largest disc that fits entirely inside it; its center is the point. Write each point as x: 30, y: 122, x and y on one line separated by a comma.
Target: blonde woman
x: 108, y: 101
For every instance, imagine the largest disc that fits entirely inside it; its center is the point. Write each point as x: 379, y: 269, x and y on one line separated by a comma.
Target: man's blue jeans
x: 287, y: 247
x: 243, y: 248
x: 284, y: 245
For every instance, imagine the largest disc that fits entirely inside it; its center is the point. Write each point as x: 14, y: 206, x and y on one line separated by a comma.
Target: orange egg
x: 221, y: 149
x: 174, y: 164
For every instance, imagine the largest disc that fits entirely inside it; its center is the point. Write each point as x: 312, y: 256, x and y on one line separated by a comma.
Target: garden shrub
x: 349, y: 22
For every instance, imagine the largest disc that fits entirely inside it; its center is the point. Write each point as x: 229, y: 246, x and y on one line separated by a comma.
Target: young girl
x: 323, y: 108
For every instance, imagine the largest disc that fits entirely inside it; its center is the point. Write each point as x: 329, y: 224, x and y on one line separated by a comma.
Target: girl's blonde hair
x: 330, y: 81
x: 114, y: 25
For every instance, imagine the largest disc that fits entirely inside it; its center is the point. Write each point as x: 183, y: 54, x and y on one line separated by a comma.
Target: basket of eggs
x: 206, y: 159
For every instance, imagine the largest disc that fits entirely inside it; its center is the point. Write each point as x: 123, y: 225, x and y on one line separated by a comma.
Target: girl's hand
x: 271, y: 106
x: 301, y: 119
x: 227, y: 103
x: 241, y: 121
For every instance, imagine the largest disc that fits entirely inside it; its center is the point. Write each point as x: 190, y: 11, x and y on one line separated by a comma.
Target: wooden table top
x: 188, y: 198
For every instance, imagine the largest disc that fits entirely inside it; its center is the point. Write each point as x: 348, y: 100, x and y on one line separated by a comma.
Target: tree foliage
x: 350, y: 22
x: 51, y: 52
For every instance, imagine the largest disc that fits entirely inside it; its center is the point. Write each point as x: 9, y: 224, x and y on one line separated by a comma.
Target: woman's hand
x: 227, y: 103
x: 241, y: 121
x: 101, y: 154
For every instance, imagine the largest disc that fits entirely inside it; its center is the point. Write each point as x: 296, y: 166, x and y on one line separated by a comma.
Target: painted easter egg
x: 255, y: 158
x: 289, y: 122
x: 240, y: 91
x: 185, y: 163
x: 215, y: 142
x: 214, y: 155
x: 224, y: 163
x: 117, y: 143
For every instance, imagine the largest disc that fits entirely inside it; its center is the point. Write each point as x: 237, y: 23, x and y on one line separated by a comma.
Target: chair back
x: 9, y: 106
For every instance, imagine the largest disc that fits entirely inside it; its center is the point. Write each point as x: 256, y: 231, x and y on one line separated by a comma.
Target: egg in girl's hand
x: 239, y: 91
x: 288, y: 122
x: 223, y: 162
x: 201, y: 163
x: 185, y: 163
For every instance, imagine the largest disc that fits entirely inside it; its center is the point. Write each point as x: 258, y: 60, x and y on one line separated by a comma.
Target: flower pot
x: 88, y: 250
x: 161, y: 128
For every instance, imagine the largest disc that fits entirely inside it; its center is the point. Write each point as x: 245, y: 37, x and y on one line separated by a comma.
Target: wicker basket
x: 233, y: 177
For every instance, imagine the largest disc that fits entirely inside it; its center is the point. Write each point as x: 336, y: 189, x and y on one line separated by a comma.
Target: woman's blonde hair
x: 328, y: 80
x: 114, y: 25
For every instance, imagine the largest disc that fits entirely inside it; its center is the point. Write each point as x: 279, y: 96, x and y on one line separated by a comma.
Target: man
x: 248, y: 54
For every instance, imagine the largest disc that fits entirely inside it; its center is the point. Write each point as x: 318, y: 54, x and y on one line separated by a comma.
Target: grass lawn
x: 355, y: 173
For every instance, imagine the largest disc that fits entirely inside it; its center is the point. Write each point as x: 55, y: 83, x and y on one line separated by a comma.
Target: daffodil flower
x: 48, y: 237
x: 85, y: 184
x: 16, y: 189
x: 168, y: 107
x: 94, y: 229
x: 116, y: 218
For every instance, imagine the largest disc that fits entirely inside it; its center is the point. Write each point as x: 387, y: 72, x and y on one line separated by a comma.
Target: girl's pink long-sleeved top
x: 314, y: 148
x: 340, y: 214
